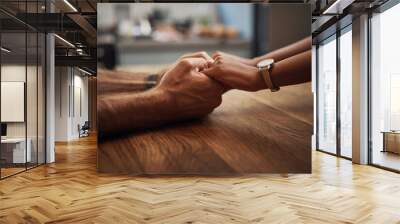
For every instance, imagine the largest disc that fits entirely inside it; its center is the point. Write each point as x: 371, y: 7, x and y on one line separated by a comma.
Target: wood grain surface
x: 248, y: 133
x: 72, y: 191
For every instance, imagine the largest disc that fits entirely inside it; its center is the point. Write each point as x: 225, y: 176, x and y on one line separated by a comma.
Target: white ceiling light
x: 79, y: 51
x: 5, y: 50
x: 338, y: 6
x: 86, y: 72
x: 65, y: 41
x: 70, y: 5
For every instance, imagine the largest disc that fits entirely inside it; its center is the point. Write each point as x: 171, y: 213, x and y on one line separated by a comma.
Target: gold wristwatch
x: 264, y: 69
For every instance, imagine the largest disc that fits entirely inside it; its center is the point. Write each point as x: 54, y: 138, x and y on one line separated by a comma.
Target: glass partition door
x: 326, y: 71
x: 15, y: 149
x: 334, y: 94
x: 22, y: 78
x: 345, y: 92
x: 385, y: 89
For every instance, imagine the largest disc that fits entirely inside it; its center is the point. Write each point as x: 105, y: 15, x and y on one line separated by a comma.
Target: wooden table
x: 391, y: 141
x: 259, y: 132
x: 15, y: 152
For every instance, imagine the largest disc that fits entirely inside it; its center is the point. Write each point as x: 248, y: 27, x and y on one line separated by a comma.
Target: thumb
x: 210, y: 72
x: 213, y: 74
x: 196, y: 63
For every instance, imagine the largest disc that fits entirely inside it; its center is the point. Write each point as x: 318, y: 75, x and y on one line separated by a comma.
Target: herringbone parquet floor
x: 71, y: 191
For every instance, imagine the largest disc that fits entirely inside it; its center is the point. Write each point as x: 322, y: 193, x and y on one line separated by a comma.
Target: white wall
x: 82, y: 82
x: 12, y: 73
x: 33, y: 126
x: 62, y: 81
x: 69, y: 82
x: 80, y: 109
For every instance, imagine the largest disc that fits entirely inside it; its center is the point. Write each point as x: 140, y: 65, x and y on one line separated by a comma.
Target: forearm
x: 123, y: 112
x: 293, y: 70
x: 120, y: 82
x: 286, y: 52
x: 182, y: 93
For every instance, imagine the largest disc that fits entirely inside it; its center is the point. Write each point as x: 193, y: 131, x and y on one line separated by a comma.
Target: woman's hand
x: 235, y: 75
x: 200, y: 54
x: 230, y: 57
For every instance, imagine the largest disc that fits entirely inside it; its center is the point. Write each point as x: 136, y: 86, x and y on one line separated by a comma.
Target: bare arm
x: 288, y: 51
x: 182, y: 93
x: 110, y: 82
x: 126, y: 111
x: 292, y: 70
x: 289, y: 71
x: 277, y: 55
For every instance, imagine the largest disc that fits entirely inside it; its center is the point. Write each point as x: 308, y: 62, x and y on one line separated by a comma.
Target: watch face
x: 265, y: 63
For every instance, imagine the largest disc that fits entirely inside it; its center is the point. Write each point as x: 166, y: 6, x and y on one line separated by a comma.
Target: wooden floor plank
x: 72, y: 191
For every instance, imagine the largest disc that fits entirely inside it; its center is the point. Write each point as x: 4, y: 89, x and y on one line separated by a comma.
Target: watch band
x: 151, y: 81
x: 266, y: 75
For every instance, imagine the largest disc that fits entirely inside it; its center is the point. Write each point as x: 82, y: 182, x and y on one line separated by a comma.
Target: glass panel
x: 13, y: 89
x: 32, y: 88
x: 346, y: 94
x: 41, y: 99
x: 327, y: 96
x: 41, y: 110
x: 31, y: 98
x: 385, y: 87
x: 23, y: 88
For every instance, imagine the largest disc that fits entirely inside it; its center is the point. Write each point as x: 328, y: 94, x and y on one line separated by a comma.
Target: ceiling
x: 75, y: 21
x: 72, y: 20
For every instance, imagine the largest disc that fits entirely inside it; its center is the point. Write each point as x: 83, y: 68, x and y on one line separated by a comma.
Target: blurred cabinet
x: 13, y: 151
x: 149, y: 52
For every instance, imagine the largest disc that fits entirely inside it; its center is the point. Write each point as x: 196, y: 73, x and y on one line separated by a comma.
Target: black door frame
x: 30, y: 29
x: 340, y: 30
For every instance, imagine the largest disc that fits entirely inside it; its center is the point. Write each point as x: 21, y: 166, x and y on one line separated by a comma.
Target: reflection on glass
x: 15, y: 149
x: 41, y: 99
x: 385, y: 84
x: 31, y: 101
x: 22, y: 90
x: 327, y: 96
x: 346, y: 94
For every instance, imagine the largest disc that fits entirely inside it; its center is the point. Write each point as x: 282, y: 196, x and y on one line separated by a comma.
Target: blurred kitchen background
x: 131, y: 34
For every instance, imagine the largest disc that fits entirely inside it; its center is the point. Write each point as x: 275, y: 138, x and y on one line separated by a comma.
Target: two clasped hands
x: 196, y: 82
x: 193, y: 87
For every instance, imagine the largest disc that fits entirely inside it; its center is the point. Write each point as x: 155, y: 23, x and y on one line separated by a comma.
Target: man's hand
x: 183, y: 92
x: 235, y: 75
x: 190, y: 93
